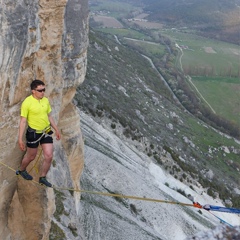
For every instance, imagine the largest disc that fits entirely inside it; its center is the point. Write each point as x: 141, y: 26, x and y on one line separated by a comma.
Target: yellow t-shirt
x: 36, y: 112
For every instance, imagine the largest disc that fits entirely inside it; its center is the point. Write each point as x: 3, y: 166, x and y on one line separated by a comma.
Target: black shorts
x: 33, y: 136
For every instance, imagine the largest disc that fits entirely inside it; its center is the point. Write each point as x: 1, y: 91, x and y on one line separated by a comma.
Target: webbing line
x: 221, y: 220
x: 109, y: 194
x: 124, y: 196
x: 35, y: 165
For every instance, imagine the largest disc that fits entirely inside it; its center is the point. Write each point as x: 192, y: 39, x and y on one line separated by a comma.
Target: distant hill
x: 216, y: 18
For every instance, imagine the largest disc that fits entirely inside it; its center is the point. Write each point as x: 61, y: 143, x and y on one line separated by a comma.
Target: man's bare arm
x: 22, y: 126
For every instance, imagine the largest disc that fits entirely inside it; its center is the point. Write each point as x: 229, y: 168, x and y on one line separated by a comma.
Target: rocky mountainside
x: 140, y: 142
x: 221, y: 233
x: 115, y: 166
x: 123, y: 89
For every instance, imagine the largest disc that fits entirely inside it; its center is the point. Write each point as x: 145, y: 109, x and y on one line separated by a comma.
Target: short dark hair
x: 35, y: 83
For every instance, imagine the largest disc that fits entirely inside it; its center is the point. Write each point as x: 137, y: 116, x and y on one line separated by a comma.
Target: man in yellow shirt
x: 35, y: 112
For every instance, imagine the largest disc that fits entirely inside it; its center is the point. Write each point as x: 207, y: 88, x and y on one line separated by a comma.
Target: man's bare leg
x: 29, y: 157
x: 48, y: 154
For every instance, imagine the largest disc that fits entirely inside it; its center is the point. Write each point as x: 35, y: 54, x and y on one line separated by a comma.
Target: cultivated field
x: 206, y: 57
x: 113, y: 8
x: 150, y: 48
x: 107, y: 22
x: 149, y: 25
x: 223, y: 94
x: 213, y: 65
x: 123, y: 32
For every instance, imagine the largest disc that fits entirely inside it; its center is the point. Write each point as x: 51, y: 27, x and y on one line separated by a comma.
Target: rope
x: 8, y: 166
x: 125, y: 196
x: 195, y: 204
x: 109, y: 194
x: 112, y: 194
x: 34, y: 166
x: 221, y: 220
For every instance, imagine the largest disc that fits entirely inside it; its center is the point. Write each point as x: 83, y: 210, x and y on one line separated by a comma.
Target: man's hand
x: 58, y: 135
x: 54, y: 126
x: 22, y: 145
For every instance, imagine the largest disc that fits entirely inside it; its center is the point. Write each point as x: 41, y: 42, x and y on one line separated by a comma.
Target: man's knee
x: 48, y: 155
x: 31, y: 154
x: 47, y: 151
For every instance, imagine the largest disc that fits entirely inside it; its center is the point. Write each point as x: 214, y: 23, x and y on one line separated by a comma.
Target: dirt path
x: 190, y: 79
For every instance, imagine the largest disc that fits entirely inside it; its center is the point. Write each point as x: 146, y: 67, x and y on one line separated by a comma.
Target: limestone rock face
x: 47, y: 40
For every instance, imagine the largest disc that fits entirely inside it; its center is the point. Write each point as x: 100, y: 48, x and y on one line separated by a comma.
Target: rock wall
x: 47, y: 40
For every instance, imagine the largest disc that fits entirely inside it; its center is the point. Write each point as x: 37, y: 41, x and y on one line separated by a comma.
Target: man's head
x: 35, y: 83
x: 38, y: 89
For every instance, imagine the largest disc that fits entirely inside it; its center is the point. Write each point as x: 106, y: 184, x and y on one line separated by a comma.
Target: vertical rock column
x: 74, y: 60
x: 47, y: 40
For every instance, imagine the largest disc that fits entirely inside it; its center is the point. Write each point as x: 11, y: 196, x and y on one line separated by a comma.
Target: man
x: 35, y: 111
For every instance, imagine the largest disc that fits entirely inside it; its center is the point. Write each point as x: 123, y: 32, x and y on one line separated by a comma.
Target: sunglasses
x: 40, y: 90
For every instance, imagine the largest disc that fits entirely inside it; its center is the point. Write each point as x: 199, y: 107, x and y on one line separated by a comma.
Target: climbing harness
x: 47, y: 132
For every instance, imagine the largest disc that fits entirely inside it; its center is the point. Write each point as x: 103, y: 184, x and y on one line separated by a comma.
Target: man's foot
x: 24, y: 174
x: 44, y: 181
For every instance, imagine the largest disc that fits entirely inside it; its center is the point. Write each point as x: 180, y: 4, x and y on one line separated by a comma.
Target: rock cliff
x: 47, y: 40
